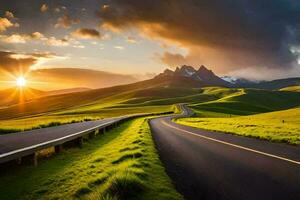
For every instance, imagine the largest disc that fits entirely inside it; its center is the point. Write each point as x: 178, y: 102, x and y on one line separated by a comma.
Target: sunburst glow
x: 21, y: 81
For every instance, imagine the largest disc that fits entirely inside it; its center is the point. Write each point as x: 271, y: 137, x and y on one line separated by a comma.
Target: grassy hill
x: 232, y: 102
x: 264, y: 114
x: 291, y: 89
x: 16, y: 95
x: 278, y: 126
x: 151, y: 96
x: 151, y: 89
x: 277, y: 84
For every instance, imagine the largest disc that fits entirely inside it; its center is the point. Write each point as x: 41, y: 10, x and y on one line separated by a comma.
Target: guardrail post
x: 93, y: 134
x: 102, y: 130
x: 32, y: 158
x: 58, y: 148
x: 80, y: 141
x: 19, y: 161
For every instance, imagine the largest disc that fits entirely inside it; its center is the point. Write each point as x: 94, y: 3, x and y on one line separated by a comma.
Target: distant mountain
x: 206, y: 77
x: 202, y: 75
x: 239, y: 82
x: 60, y: 78
x: 278, y: 84
x: 267, y: 85
x: 66, y: 91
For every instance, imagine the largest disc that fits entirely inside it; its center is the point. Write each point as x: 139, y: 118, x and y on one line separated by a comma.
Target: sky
x: 256, y: 39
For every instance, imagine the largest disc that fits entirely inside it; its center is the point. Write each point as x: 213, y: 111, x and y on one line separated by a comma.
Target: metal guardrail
x: 31, y: 150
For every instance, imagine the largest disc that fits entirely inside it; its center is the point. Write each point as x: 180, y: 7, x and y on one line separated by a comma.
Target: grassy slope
x: 142, y: 97
x: 207, y: 102
x: 291, y: 89
x: 100, y: 98
x: 227, y: 114
x: 268, y: 126
x: 15, y: 125
x: 123, y: 160
x: 235, y: 102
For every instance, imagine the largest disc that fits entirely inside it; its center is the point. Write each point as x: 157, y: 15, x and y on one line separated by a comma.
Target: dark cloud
x: 172, y: 60
x: 65, y: 21
x: 85, y: 33
x: 16, y: 63
x: 250, y: 33
x: 9, y: 14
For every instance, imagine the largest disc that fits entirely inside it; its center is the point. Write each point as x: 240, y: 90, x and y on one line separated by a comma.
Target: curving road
x: 210, y: 165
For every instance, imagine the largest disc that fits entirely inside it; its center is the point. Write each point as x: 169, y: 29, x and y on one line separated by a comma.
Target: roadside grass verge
x: 121, y: 164
x: 279, y: 126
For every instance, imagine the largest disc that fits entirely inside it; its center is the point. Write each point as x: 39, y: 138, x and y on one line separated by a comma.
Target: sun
x: 21, y: 81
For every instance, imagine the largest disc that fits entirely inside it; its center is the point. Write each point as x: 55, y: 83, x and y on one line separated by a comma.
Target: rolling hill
x: 60, y: 78
x: 277, y: 126
x: 107, y: 97
x: 15, y: 95
x: 154, y: 95
x: 245, y: 102
x: 277, y: 84
x: 291, y: 88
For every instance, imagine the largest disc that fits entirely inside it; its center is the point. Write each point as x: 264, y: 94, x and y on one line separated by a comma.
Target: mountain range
x: 206, y: 77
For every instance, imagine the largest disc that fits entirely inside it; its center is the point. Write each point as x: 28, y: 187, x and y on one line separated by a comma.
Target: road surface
x: 209, y: 165
x: 11, y: 144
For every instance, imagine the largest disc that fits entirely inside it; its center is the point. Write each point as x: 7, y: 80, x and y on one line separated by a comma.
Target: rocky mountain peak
x: 202, y: 74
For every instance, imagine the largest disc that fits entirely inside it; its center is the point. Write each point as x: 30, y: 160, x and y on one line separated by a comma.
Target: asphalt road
x: 210, y: 165
x: 16, y: 141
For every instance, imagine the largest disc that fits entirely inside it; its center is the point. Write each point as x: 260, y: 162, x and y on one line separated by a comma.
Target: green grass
x: 122, y: 164
x: 235, y: 102
x: 249, y: 112
x: 28, y: 123
x: 291, y: 89
x: 279, y: 126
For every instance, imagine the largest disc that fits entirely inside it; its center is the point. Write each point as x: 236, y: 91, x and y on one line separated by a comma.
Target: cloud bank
x: 228, y: 34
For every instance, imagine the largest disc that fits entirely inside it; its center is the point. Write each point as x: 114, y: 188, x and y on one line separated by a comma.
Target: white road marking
x: 52, y: 141
x: 233, y: 145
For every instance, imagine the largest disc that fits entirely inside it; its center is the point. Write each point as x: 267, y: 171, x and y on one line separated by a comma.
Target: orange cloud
x: 5, y: 24
x: 37, y: 35
x: 15, y: 38
x: 22, y: 38
x: 44, y: 8
x: 52, y: 41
